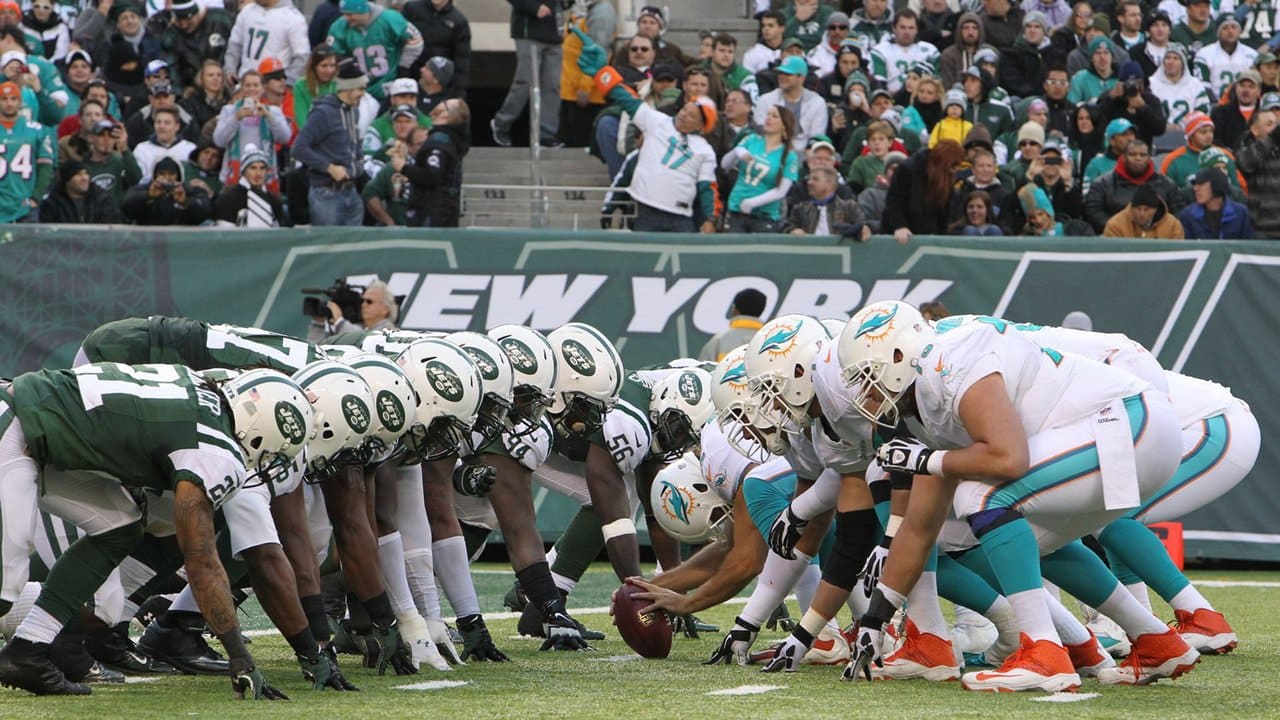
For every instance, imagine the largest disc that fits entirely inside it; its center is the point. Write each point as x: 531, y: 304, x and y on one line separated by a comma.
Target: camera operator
x: 378, y: 311
x: 1130, y: 99
x: 165, y: 200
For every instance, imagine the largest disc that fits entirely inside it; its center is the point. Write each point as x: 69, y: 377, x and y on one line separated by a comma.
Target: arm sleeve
x: 777, y: 193
x: 461, y: 56
x: 624, y: 98
x: 732, y: 158
x: 280, y: 130
x: 706, y: 199
x: 299, y: 51
x: 44, y: 176
x: 226, y: 126
x: 412, y: 47
x: 819, y: 497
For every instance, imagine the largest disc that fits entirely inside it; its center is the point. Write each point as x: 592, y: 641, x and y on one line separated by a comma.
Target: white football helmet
x: 686, y: 504
x: 588, y: 378
x: 497, y: 380
x: 394, y: 404
x: 679, y: 405
x: 272, y: 418
x: 733, y: 404
x: 834, y: 326
x: 779, y: 362
x: 447, y: 384
x: 341, y: 352
x: 878, y: 352
x: 343, y: 407
x: 534, y: 367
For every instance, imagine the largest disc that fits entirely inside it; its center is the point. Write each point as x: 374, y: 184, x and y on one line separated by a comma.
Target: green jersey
x: 149, y: 426
x: 115, y: 175
x: 388, y: 343
x: 197, y: 345
x: 23, y: 149
x: 393, y: 193
x: 376, y: 47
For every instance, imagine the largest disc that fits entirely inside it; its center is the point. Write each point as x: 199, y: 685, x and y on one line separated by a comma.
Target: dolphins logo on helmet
x: 780, y: 342
x: 675, y: 502
x: 878, y: 325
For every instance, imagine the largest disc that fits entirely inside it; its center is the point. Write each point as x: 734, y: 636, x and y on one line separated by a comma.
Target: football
x: 649, y: 635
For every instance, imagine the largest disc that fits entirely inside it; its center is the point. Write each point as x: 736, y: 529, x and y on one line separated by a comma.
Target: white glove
x: 417, y: 635
x: 440, y: 636
x: 866, y: 651
x: 736, y: 644
x: 874, y: 567
x: 790, y: 653
x: 904, y: 455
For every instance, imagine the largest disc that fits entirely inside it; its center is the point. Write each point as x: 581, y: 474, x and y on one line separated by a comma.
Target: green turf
x: 595, y: 685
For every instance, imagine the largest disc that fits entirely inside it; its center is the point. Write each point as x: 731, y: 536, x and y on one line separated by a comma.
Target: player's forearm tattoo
x: 194, y: 520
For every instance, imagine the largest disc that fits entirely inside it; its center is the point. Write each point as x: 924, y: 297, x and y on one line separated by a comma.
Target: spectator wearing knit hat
x: 1221, y: 62
x: 165, y: 200
x: 329, y: 147
x: 446, y: 33
x: 1179, y: 91
x: 1041, y: 216
x: 823, y: 56
x: 75, y: 199
x: 1023, y: 66
x: 1145, y: 216
x: 1184, y: 162
x: 952, y: 125
x: 1100, y: 74
x: 434, y: 80
x: 1081, y: 58
x: 1150, y: 52
x: 250, y: 202
x: 1213, y: 215
x: 127, y: 52
x: 1056, y: 12
x: 1130, y: 99
x: 651, y: 22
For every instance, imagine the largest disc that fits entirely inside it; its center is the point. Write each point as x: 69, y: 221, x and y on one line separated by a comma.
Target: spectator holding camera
x: 165, y: 200
x: 165, y: 143
x: 1130, y: 99
x: 435, y: 198
x: 249, y: 120
x: 111, y: 165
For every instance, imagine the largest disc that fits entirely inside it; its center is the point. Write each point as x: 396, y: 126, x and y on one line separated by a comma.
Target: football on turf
x: 649, y: 635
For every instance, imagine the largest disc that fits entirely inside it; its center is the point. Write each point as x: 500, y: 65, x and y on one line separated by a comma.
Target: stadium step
x: 498, y: 190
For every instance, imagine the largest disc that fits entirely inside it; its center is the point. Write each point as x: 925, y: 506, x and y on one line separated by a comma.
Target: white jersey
x: 627, y: 435
x: 759, y: 57
x: 823, y: 59
x: 1219, y: 69
x: 1115, y: 349
x: 279, y: 31
x: 530, y: 449
x: 723, y: 466
x: 148, y: 154
x: 671, y: 164
x: 1180, y: 98
x: 1048, y: 388
x: 802, y: 455
x: 891, y: 61
x: 1195, y: 399
x: 844, y: 441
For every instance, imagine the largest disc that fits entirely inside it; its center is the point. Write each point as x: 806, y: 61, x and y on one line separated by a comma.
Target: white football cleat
x: 972, y: 632
x: 829, y: 648
x: 1041, y: 665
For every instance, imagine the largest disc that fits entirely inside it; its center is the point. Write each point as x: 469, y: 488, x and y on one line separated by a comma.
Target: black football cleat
x: 26, y: 665
x: 113, y: 648
x: 183, y: 648
x: 530, y: 625
x: 101, y: 674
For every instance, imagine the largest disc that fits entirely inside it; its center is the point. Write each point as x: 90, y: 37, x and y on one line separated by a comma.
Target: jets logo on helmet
x: 444, y: 380
x: 356, y: 413
x: 782, y: 338
x: 522, y: 358
x: 289, y: 421
x: 675, y: 502
x: 488, y: 368
x: 390, y: 411
x: 690, y: 387
x: 578, y: 357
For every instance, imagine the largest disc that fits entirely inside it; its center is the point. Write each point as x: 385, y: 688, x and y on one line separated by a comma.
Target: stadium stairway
x: 499, y: 191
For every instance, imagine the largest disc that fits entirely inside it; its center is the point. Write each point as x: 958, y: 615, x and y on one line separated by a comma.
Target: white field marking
x: 617, y: 658
x: 1237, y: 583
x: 604, y: 609
x: 1065, y: 697
x: 131, y: 679
x: 432, y: 685
x: 748, y: 690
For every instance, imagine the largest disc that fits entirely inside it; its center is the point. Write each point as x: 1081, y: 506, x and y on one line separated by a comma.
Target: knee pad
x: 855, y: 538
x: 880, y: 491
x: 987, y: 520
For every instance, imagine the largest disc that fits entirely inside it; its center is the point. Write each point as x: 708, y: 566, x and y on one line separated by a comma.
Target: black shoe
x: 500, y: 136
x: 154, y: 607
x: 515, y: 599
x: 26, y: 665
x: 113, y: 648
x: 552, y: 144
x: 183, y: 648
x: 530, y: 625
x: 99, y: 673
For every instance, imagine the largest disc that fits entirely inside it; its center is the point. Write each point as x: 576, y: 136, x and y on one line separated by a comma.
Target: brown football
x: 649, y: 635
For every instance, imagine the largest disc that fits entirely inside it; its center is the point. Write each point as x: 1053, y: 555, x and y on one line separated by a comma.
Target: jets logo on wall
x: 522, y: 358
x: 290, y: 423
x: 690, y: 387
x: 390, y: 411
x: 444, y: 380
x: 578, y: 357
x: 488, y: 368
x: 356, y: 413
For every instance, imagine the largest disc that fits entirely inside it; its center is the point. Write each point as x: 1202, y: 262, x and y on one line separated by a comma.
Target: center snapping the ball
x: 649, y: 635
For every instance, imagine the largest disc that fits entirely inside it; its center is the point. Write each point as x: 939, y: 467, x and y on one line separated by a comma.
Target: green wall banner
x: 1204, y: 308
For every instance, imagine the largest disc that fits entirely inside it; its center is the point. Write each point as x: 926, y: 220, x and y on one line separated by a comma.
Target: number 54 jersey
x: 149, y: 426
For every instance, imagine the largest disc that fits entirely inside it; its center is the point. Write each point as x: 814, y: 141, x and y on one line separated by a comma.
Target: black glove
x: 904, y: 454
x: 791, y: 652
x: 247, y: 682
x: 736, y: 644
x: 474, y: 480
x: 476, y: 642
x: 866, y: 649
x: 560, y: 630
x: 322, y: 671
x: 785, y: 533
x: 874, y: 566
x: 382, y: 647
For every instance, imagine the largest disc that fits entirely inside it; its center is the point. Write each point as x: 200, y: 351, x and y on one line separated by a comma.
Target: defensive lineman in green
x: 156, y: 427
x: 196, y: 344
x: 380, y: 39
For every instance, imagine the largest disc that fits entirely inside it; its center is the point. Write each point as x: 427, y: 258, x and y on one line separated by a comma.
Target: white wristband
x: 618, y: 528
x: 891, y: 527
x: 934, y: 464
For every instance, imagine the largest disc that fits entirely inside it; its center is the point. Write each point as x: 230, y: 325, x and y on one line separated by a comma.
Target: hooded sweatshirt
x: 957, y: 58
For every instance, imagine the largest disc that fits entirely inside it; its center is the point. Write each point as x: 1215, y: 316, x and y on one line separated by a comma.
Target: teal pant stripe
x: 1205, y: 456
x: 1064, y: 468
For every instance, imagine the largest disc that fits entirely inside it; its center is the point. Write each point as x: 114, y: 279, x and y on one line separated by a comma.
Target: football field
x: 612, y: 683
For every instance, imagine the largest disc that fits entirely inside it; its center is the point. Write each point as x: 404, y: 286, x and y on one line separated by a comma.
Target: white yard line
x: 748, y: 690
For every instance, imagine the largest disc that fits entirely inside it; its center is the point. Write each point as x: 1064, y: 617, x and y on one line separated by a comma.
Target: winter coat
x: 1163, y: 227
x: 1002, y: 32
x: 526, y: 25
x: 143, y: 209
x: 186, y: 53
x: 1148, y: 121
x: 844, y: 217
x: 331, y: 136
x: 445, y: 33
x: 1022, y: 68
x: 436, y: 175
x: 1114, y: 190
x: 905, y: 208
x: 955, y: 59
x: 1234, y: 224
x: 97, y: 207
x: 1229, y: 126
x: 1259, y: 160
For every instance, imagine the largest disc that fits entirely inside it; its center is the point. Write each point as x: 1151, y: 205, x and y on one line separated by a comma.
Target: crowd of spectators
x: 1132, y: 118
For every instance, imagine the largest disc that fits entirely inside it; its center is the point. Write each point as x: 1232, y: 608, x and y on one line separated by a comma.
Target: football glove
x: 874, y: 566
x: 866, y: 650
x: 592, y: 57
x: 476, y: 642
x: 440, y: 638
x: 417, y: 635
x: 785, y: 533
x: 248, y: 683
x: 561, y: 631
x: 904, y: 454
x: 736, y: 644
x: 321, y: 670
x: 474, y: 480
x: 791, y: 652
x: 383, y: 648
